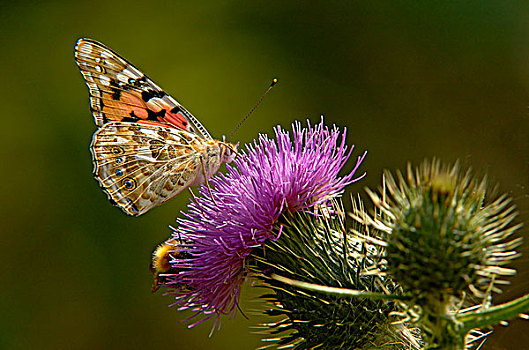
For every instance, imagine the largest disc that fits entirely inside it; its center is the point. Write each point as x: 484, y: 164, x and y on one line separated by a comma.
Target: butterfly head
x: 229, y: 151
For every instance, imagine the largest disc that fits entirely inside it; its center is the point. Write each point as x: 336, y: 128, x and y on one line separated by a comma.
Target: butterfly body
x: 148, y: 147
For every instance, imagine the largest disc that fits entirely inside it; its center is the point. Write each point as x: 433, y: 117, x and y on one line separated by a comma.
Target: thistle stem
x: 493, y: 315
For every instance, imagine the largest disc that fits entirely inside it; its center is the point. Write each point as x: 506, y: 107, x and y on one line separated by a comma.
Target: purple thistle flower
x: 271, y: 177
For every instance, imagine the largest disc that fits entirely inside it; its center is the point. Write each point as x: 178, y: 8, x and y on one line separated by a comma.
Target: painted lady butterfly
x: 148, y: 148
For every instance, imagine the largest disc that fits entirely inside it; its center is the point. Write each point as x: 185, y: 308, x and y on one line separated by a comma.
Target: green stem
x: 494, y: 315
x: 335, y: 290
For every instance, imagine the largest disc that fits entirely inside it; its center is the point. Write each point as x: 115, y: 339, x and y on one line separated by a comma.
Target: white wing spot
x: 144, y: 157
x: 122, y: 77
x: 104, y: 80
x: 133, y: 72
x: 86, y: 48
x: 151, y: 133
x: 105, y: 54
x: 110, y: 64
x: 157, y: 102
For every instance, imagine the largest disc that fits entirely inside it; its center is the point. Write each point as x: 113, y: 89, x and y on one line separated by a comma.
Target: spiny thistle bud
x: 442, y: 237
x: 444, y: 240
x: 318, y: 250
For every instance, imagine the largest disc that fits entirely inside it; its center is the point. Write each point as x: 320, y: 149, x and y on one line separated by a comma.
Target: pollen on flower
x: 296, y: 171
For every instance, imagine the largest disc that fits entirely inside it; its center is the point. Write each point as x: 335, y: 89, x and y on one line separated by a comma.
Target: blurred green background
x: 409, y: 79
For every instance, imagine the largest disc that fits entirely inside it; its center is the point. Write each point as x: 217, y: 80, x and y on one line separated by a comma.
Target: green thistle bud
x: 319, y: 250
x: 444, y: 241
x: 442, y: 237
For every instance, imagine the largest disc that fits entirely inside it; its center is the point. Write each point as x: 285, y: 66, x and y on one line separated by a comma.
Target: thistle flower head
x: 237, y: 214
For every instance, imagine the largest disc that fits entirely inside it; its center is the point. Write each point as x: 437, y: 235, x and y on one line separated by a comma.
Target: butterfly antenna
x: 254, y: 107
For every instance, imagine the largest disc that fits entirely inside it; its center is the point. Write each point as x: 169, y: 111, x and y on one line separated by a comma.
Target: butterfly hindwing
x: 121, y: 92
x: 141, y: 166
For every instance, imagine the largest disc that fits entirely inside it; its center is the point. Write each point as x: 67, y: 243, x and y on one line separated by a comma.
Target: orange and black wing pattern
x: 121, y: 92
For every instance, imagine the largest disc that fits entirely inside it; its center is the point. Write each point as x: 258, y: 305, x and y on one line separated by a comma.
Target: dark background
x: 409, y: 80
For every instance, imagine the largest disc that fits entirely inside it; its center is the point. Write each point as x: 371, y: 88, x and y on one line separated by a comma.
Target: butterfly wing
x: 141, y: 166
x: 121, y: 92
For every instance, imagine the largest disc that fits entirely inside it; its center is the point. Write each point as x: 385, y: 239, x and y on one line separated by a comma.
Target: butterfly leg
x: 192, y: 195
x: 195, y: 199
x: 207, y: 181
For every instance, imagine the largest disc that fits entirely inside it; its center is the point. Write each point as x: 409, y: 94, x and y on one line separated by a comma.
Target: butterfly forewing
x: 121, y: 92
